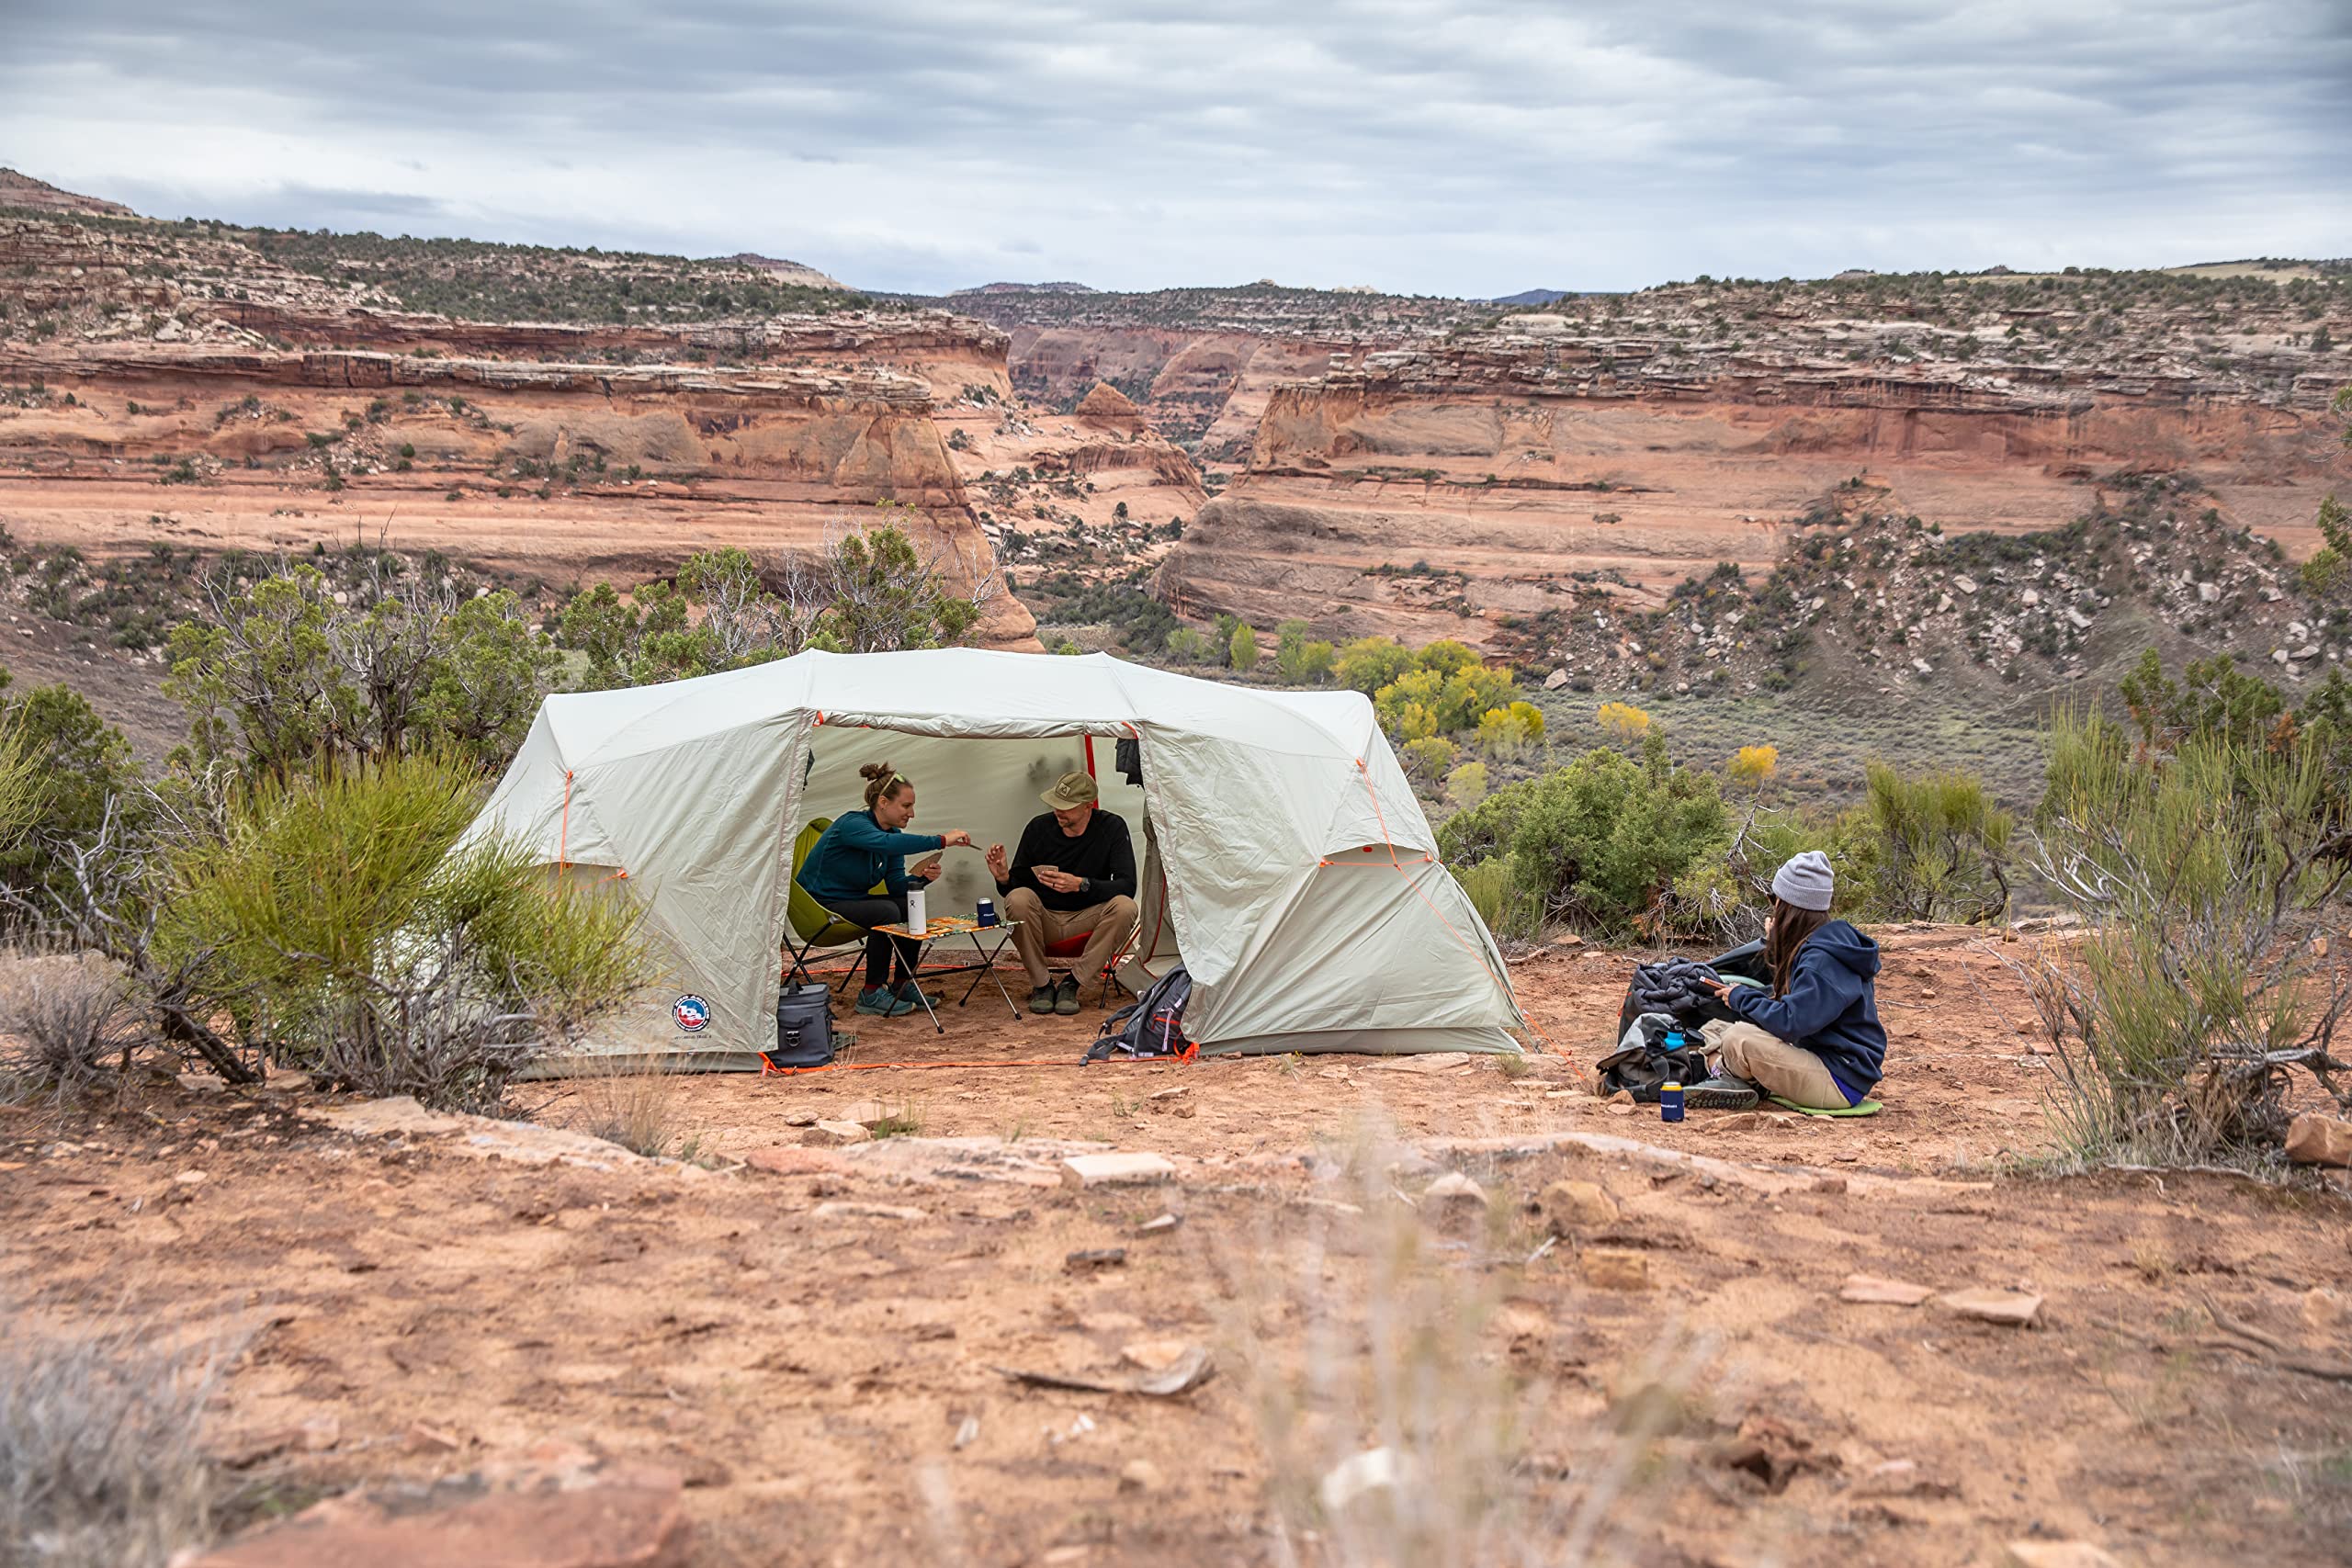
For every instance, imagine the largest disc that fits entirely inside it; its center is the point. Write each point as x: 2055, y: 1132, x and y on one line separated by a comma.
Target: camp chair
x: 815, y: 925
x: 1064, y: 955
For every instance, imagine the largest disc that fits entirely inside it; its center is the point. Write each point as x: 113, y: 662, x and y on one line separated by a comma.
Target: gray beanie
x: 1804, y: 881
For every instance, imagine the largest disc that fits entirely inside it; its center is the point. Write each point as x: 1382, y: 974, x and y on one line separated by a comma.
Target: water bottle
x: 915, y: 923
x: 1669, y: 1094
x: 984, y: 912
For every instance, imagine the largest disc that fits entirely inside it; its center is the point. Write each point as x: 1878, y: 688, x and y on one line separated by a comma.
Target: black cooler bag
x: 804, y: 1028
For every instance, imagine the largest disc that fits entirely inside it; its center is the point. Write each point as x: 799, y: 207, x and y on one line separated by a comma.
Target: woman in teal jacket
x: 861, y: 848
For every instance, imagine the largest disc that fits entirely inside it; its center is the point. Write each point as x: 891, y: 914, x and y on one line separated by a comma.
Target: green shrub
x: 1466, y: 786
x: 1241, y: 652
x: 1493, y: 893
x: 1600, y: 842
x: 1371, y: 663
x: 338, y: 921
x: 2204, y: 877
x: 1942, y: 845
x: 1429, y: 757
x: 1300, y: 659
x: 67, y: 762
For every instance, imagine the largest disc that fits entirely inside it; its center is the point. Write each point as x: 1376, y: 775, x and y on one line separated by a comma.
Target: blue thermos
x: 984, y: 912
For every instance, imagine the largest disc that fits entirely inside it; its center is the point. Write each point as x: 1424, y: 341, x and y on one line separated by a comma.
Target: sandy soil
x: 816, y: 1350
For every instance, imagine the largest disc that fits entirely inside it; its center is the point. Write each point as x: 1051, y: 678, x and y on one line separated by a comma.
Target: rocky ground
x: 1571, y: 1328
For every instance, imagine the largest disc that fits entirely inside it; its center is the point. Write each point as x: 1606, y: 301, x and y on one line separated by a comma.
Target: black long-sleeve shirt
x: 1104, y: 855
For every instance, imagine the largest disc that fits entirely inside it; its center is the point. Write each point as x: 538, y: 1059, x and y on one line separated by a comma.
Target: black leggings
x: 874, y: 912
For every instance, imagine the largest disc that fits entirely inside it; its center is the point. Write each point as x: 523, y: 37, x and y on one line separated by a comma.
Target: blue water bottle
x: 1669, y: 1093
x: 984, y: 912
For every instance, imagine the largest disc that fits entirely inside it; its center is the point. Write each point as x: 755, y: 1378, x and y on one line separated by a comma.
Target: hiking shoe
x: 1066, y: 999
x: 1723, y: 1092
x: 908, y: 991
x: 1041, y: 1000
x: 879, y: 1001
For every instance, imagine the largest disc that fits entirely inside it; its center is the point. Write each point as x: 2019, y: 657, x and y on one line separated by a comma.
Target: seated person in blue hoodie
x: 1814, y: 1037
x: 861, y: 848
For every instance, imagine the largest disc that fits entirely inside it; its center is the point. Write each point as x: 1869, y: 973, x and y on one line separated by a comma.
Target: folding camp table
x: 984, y: 957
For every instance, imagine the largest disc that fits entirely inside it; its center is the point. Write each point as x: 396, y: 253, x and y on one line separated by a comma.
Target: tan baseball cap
x: 1071, y: 790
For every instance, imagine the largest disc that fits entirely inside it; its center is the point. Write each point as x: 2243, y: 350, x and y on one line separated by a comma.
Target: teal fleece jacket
x: 855, y: 853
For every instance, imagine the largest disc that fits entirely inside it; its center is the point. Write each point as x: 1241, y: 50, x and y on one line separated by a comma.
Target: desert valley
x: 1649, y: 591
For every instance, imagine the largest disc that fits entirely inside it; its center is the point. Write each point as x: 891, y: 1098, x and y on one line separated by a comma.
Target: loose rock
x: 1614, y: 1269
x: 1873, y: 1290
x: 2313, y: 1139
x: 1570, y: 1205
x: 1116, y: 1170
x: 2013, y: 1308
x: 834, y: 1133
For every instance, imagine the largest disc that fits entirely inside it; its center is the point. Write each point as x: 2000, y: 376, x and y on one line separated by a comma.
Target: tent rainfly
x: 1285, y: 862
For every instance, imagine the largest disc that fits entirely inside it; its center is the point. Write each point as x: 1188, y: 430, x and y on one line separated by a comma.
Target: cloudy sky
x: 1476, y: 148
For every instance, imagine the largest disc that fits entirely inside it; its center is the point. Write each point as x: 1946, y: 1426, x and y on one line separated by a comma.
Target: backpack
x: 803, y: 1029
x: 1151, y: 1025
x: 1643, y: 1060
x: 1692, y: 1007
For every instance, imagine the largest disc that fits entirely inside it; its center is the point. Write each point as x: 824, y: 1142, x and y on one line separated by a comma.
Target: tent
x: 1282, y: 856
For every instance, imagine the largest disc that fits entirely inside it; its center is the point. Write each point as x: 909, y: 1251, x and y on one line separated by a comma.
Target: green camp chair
x: 815, y: 925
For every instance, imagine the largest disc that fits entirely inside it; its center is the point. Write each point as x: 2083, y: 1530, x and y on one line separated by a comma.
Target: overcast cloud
x: 1420, y: 146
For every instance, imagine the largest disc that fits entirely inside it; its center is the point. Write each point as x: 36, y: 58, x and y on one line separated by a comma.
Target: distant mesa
x: 793, y: 272
x: 1064, y: 287
x: 24, y: 191
x: 1534, y: 297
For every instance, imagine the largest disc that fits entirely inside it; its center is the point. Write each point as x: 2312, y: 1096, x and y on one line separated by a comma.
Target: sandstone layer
x: 1457, y: 491
x: 169, y: 387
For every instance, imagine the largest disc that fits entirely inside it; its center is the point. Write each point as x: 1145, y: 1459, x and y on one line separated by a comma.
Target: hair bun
x: 876, y: 771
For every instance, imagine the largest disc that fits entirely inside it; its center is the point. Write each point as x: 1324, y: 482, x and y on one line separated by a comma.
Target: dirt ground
x: 817, y: 1351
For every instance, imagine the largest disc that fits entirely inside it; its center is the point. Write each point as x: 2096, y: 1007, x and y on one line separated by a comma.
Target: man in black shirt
x: 1074, y: 875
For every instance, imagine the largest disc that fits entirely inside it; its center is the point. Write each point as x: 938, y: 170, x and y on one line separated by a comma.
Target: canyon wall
x: 1460, y: 491
x: 161, y: 386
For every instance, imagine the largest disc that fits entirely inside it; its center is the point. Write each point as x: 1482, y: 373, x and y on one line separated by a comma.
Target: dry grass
x: 639, y: 1104
x: 1393, y: 1432
x: 69, y: 1019
x: 100, y: 1465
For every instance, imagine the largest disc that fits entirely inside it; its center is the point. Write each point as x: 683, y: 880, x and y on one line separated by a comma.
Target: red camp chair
x: 1064, y: 956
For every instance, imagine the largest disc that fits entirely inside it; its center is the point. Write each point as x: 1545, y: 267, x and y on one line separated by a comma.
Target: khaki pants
x: 1111, y: 921
x: 1774, y: 1065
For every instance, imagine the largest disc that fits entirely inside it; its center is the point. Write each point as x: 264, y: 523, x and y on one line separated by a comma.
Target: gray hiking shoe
x: 1066, y: 999
x: 1723, y: 1092
x: 1041, y: 1000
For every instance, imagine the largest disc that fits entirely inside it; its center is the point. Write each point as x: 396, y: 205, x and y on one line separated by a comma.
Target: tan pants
x: 1111, y: 921
x: 1774, y: 1065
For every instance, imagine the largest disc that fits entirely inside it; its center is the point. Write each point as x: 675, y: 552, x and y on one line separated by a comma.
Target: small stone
x: 1614, y: 1269
x: 1871, y: 1290
x: 2014, y: 1309
x: 1153, y: 1355
x: 795, y: 1159
x: 1452, y: 1189
x: 2207, y: 592
x: 2323, y: 1311
x: 1617, y: 1110
x: 190, y: 1178
x: 425, y: 1439
x: 800, y: 1119
x: 834, y: 1133
x: 1623, y: 1096
x: 1116, y: 1170
x: 1556, y: 680
x: 1141, y: 1475
x: 2029, y: 598
x: 1965, y: 584
x: 1571, y: 1205
x: 2055, y: 1554
x: 1737, y: 1121
x: 2313, y: 1139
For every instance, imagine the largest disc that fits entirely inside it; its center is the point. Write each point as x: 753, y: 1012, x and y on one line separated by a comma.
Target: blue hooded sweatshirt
x: 1829, y: 1009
